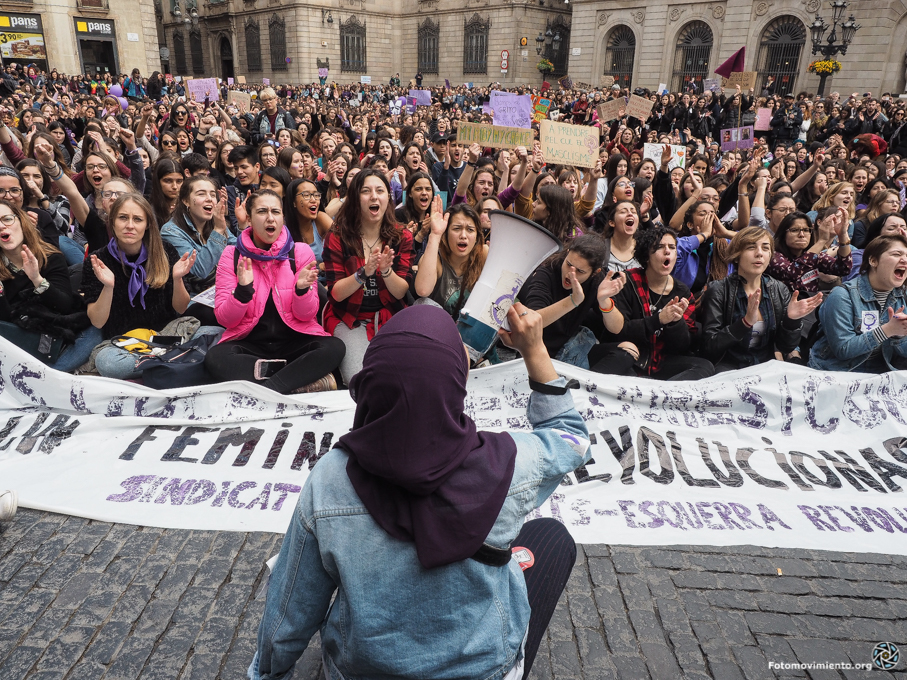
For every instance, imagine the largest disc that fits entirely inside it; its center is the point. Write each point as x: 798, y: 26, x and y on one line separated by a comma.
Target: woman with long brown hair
x: 454, y: 256
x: 367, y: 260
x: 166, y: 180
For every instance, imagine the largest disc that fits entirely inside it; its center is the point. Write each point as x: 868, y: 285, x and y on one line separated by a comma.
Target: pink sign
x: 763, y: 120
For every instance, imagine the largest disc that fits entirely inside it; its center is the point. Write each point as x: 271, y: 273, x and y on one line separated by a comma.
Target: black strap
x: 493, y: 557
x: 536, y: 386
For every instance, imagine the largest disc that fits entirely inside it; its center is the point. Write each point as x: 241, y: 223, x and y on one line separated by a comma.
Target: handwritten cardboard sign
x: 567, y: 144
x: 678, y: 155
x: 241, y: 99
x: 241, y: 80
x: 494, y: 136
x: 581, y: 86
x: 763, y: 120
x: 365, y: 80
x: 511, y: 110
x: 639, y: 107
x: 746, y: 80
x: 540, y: 106
x: 611, y: 109
x: 605, y: 81
x: 201, y: 89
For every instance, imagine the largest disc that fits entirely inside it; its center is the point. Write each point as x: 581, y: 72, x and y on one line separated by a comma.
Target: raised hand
x: 577, y: 295
x: 183, y: 265
x: 220, y: 212
x: 102, y: 272
x: 30, y: 265
x: 438, y: 219
x: 475, y: 151
x: 752, y: 307
x: 797, y: 308
x: 128, y: 137
x: 665, y: 155
x: 674, y: 310
x: 385, y: 260
x: 307, y: 276
x: 244, y: 273
x: 240, y: 211
x: 610, y: 286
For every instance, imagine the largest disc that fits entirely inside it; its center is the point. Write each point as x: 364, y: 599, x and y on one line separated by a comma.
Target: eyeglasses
x: 783, y: 211
x: 14, y: 192
x: 181, y: 113
x: 168, y: 142
x: 625, y: 185
x: 112, y: 194
x: 8, y: 220
x: 99, y: 167
x: 800, y: 230
x: 309, y: 196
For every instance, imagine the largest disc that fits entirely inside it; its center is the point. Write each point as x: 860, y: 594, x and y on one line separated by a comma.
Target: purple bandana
x: 137, y: 283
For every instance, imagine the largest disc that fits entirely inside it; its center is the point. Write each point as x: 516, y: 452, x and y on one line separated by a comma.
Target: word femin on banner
x: 776, y: 455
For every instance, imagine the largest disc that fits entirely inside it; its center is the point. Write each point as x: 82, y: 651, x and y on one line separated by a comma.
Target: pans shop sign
x: 96, y: 28
x: 22, y: 39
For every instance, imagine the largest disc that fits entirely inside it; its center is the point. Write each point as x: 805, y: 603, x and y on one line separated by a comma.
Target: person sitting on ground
x: 651, y: 320
x: 267, y: 299
x: 863, y: 322
x: 439, y: 504
x: 800, y: 252
x: 749, y: 316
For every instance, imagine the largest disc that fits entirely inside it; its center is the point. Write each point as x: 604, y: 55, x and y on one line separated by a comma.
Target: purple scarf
x: 416, y: 460
x: 137, y: 283
x: 257, y: 254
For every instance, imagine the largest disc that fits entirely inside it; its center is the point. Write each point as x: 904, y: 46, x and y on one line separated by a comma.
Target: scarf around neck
x: 255, y: 253
x: 137, y: 283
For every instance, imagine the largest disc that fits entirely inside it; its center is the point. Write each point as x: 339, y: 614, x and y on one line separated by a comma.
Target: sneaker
x: 325, y: 384
x: 9, y: 503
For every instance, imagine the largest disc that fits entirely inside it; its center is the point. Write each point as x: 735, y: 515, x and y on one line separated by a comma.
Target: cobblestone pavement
x: 86, y: 600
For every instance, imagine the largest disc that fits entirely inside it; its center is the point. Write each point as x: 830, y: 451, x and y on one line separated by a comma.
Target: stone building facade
x: 675, y: 42
x: 287, y: 40
x: 75, y: 36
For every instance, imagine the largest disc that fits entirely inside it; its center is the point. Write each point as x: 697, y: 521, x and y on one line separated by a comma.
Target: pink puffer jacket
x: 273, y: 276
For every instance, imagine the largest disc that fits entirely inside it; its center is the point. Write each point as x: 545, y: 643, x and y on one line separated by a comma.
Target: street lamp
x: 327, y: 13
x: 832, y: 47
x: 176, y: 10
x: 539, y: 42
x: 556, y: 42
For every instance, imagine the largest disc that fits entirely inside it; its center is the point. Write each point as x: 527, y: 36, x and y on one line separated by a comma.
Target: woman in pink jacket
x: 267, y: 299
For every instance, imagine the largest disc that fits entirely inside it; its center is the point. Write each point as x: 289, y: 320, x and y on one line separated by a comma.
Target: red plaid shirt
x: 340, y: 262
x: 641, y: 287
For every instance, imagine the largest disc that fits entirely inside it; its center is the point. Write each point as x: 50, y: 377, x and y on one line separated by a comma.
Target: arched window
x: 429, y: 32
x: 198, y: 56
x: 620, y: 55
x: 779, y: 53
x: 691, y: 58
x: 277, y: 33
x: 179, y: 53
x: 352, y: 46
x: 475, y: 47
x: 253, y: 45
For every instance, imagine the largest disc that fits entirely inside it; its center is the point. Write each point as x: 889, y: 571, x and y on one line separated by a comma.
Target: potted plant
x: 545, y: 66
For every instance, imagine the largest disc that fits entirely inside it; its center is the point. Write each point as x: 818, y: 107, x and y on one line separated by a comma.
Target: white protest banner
x: 678, y: 155
x: 711, y: 84
x: 776, y: 455
x: 494, y: 136
x: 365, y: 80
x: 241, y: 99
x: 611, y: 109
x: 200, y: 89
x: 639, y: 107
x: 568, y: 144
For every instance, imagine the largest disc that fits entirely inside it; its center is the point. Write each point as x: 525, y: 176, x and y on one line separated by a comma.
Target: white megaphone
x: 518, y: 246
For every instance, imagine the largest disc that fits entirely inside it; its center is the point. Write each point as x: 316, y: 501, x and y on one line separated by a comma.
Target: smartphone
x: 265, y: 368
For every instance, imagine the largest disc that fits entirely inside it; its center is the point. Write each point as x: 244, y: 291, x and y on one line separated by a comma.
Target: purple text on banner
x: 421, y: 97
x: 512, y: 110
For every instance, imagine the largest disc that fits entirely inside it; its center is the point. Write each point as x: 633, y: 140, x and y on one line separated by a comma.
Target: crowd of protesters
x: 280, y: 237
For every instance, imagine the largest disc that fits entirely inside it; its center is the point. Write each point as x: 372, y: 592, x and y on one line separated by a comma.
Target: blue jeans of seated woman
x: 115, y: 362
x: 72, y: 356
x: 72, y: 251
x: 576, y: 350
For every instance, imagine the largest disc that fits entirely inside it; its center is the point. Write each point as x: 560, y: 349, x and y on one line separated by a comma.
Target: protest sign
x: 605, y: 81
x: 567, y: 144
x: 545, y: 86
x: 678, y: 155
x: 662, y: 88
x: 746, y: 80
x: 581, y: 86
x: 422, y: 97
x: 540, y: 106
x: 763, y: 120
x: 737, y: 138
x: 229, y: 81
x: 494, y: 136
x: 447, y: 83
x: 711, y: 84
x: 612, y: 109
x: 486, y: 108
x: 322, y: 73
x: 241, y: 80
x: 639, y: 107
x: 395, y: 106
x: 776, y: 455
x: 512, y: 110
x: 266, y: 81
x: 241, y: 99
x: 200, y: 89
x: 365, y: 80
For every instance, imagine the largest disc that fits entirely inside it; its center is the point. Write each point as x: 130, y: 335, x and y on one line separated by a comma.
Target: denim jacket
x: 843, y: 345
x: 391, y: 618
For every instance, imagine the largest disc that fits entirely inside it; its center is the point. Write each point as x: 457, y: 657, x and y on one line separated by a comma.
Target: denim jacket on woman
x: 843, y: 344
x: 392, y: 618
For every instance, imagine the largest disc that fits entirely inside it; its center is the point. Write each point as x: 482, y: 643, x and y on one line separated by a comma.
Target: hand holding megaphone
x: 525, y: 332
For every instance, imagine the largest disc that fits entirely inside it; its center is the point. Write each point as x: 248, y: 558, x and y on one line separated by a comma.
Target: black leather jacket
x: 721, y: 332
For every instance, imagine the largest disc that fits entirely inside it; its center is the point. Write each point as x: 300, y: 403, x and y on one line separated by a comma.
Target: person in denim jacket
x: 864, y: 321
x: 411, y: 519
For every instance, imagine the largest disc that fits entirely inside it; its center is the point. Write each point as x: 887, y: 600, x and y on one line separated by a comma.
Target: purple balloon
x: 123, y: 103
x: 116, y: 91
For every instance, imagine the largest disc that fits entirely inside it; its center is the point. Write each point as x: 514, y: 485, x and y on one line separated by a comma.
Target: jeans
x: 116, y: 362
x: 76, y: 354
x: 356, y: 341
x: 72, y: 251
x: 576, y: 350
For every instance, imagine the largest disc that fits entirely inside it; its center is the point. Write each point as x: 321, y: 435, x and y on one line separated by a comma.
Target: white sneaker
x: 9, y: 503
